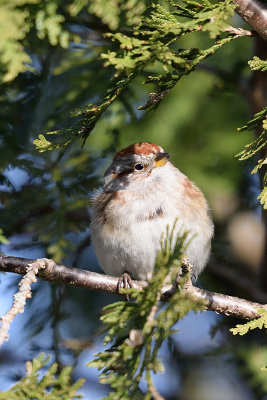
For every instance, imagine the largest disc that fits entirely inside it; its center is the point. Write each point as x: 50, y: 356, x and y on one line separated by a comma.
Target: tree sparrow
x: 143, y: 192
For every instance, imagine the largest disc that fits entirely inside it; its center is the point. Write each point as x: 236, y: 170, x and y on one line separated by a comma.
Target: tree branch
x: 254, y: 13
x: 19, y: 299
x: 217, y: 302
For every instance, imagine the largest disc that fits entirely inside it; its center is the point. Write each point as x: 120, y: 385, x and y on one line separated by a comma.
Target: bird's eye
x: 139, y: 167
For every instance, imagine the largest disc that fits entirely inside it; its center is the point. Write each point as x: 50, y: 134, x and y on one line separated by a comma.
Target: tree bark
x: 254, y: 12
x: 220, y: 303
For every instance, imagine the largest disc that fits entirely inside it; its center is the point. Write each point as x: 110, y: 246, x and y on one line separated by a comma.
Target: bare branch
x: 20, y: 298
x: 254, y: 13
x: 223, y: 304
x: 238, y: 32
x: 217, y: 302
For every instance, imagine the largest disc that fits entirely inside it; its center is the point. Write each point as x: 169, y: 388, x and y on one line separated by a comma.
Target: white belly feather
x: 127, y: 235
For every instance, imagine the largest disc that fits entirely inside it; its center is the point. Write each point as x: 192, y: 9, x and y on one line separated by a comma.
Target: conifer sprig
x: 154, y: 41
x: 257, y: 148
x: 51, y: 386
x: 136, y: 330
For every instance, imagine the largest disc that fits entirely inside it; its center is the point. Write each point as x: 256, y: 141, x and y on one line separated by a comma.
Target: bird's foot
x: 125, y: 282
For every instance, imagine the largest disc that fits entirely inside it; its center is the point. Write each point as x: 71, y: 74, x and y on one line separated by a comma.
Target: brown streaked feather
x: 104, y: 201
x: 191, y: 190
x: 195, y: 200
x: 106, y: 198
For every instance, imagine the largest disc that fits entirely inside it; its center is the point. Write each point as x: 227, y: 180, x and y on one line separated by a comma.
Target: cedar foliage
x: 51, y: 385
x: 136, y: 330
x: 149, y: 42
x: 254, y: 148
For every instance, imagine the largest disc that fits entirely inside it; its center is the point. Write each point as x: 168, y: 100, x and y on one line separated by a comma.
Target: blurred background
x: 45, y: 201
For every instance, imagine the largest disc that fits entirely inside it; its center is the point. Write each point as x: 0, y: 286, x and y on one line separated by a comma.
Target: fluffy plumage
x: 143, y: 193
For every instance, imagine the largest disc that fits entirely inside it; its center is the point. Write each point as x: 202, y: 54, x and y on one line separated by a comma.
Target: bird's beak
x: 161, y: 159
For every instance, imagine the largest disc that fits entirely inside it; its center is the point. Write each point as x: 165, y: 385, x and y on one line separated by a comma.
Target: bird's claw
x: 125, y: 282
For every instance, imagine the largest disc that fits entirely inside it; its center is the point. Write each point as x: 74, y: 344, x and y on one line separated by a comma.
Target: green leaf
x: 51, y: 386
x: 263, y: 197
x: 256, y: 147
x: 87, y: 118
x: 256, y: 64
x: 259, y: 118
x: 258, y: 323
x: 42, y: 144
x: 111, y: 12
x: 3, y: 239
x: 18, y: 19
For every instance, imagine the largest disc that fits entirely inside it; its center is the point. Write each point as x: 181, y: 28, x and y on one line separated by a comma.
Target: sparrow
x: 143, y: 193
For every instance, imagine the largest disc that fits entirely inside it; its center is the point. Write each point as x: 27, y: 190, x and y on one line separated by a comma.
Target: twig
x: 20, y: 298
x: 156, y: 395
x: 217, y: 302
x: 238, y: 32
x: 154, y: 99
